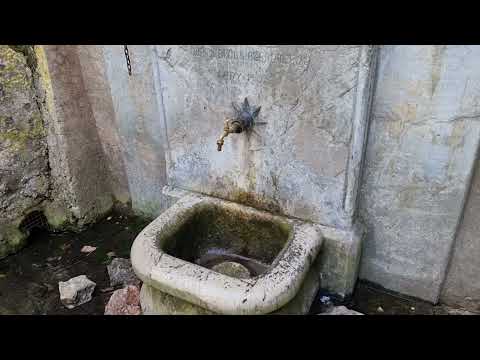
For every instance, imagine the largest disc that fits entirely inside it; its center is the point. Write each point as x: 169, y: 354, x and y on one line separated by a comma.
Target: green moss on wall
x: 11, y: 240
x: 20, y: 137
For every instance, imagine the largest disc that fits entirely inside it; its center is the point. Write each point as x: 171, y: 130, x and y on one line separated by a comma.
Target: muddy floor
x: 370, y: 299
x: 29, y: 279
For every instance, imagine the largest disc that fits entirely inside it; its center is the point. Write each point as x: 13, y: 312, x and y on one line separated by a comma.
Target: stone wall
x: 80, y: 175
x: 24, y: 169
x: 137, y: 119
x: 423, y: 139
x: 97, y: 89
x: 422, y: 145
x: 58, y: 150
x: 78, y: 134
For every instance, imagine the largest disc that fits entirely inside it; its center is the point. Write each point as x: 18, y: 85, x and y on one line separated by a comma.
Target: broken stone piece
x: 76, y: 291
x: 124, y: 301
x: 111, y: 254
x: 54, y: 258
x: 121, y: 272
x: 341, y: 310
x: 88, y: 249
x: 232, y: 269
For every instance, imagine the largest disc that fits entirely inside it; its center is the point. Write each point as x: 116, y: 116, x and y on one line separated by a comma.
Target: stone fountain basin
x: 174, y: 253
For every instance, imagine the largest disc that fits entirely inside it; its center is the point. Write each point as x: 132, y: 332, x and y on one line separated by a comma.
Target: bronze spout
x: 230, y: 127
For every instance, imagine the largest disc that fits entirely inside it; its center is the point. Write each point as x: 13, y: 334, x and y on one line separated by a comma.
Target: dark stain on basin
x: 251, y: 199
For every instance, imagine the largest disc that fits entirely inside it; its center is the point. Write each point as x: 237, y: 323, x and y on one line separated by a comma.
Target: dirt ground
x: 29, y: 279
x: 370, y: 299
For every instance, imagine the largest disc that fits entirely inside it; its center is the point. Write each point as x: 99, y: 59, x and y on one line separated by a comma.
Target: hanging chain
x: 127, y: 57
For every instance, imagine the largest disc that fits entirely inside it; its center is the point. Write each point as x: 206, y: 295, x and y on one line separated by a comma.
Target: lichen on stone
x: 24, y: 167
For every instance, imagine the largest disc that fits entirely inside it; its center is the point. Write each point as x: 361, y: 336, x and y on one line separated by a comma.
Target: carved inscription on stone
x: 261, y: 56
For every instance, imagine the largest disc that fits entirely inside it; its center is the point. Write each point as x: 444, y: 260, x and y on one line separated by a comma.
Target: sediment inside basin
x: 214, y: 234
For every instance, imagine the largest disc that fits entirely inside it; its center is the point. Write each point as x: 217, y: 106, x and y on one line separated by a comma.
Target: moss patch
x: 13, y: 74
x: 11, y: 240
x: 20, y: 137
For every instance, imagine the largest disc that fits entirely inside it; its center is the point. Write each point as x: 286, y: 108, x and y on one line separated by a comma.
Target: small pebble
x: 126, y: 228
x: 109, y: 218
x: 380, y: 309
x: 3, y: 276
x: 54, y: 258
x: 325, y: 299
x: 412, y: 308
x: 88, y: 249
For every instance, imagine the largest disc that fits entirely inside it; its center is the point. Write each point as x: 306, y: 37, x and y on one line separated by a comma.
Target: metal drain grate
x: 34, y: 220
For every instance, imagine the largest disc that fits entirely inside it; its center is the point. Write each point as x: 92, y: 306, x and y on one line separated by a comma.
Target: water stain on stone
x: 437, y: 61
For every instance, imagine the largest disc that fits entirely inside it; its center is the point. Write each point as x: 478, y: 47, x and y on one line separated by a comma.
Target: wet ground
x: 29, y: 279
x: 370, y: 299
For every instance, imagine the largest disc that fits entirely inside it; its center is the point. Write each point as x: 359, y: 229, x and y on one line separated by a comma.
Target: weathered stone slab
x: 98, y: 91
x: 312, y: 99
x: 24, y: 172
x: 79, y: 173
x: 423, y: 140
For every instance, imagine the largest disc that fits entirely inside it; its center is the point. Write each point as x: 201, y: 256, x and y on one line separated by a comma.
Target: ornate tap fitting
x: 244, y: 120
